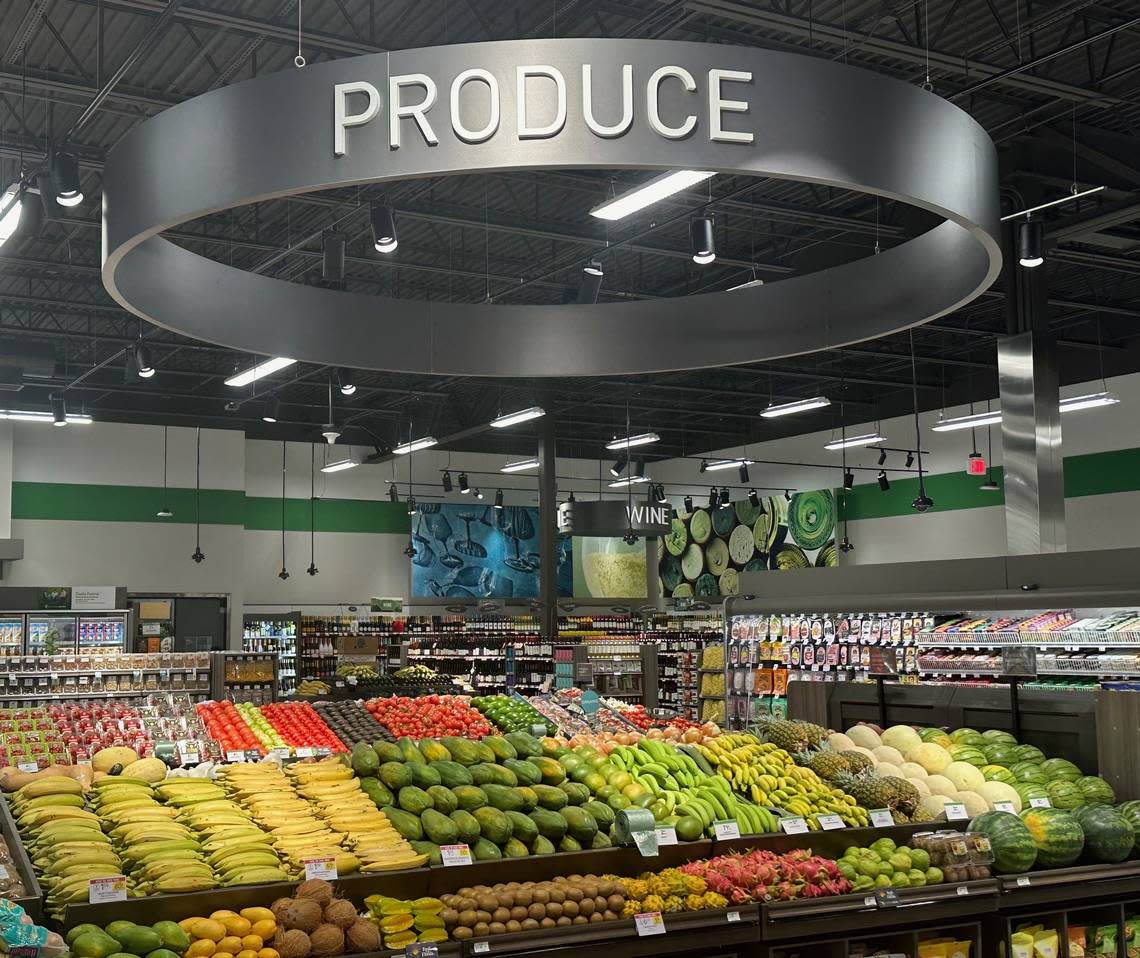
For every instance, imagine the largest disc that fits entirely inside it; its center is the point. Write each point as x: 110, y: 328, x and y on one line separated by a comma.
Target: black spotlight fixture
x: 661, y: 497
x: 143, y: 365
x: 499, y: 499
x: 688, y: 505
x: 410, y: 549
x: 909, y: 459
x: 703, y: 243
x: 725, y: 497
x: 312, y: 570
x: 882, y: 457
x: 753, y: 499
x: 637, y: 467
x: 714, y: 497
x: 619, y: 465
x: 58, y: 411
x: 848, y: 480
x: 332, y: 260
x: 393, y: 493
x: 592, y: 274
x: 283, y: 574
x: 346, y: 381
x: 65, y: 178
x: 478, y: 493
x: 846, y: 545
x: 884, y: 482
x: 272, y: 410
x: 744, y: 473
x: 1030, y: 243
x: 704, y: 465
x: 411, y: 505
x: 383, y: 222
x: 463, y: 487
x: 630, y: 538
x: 446, y: 481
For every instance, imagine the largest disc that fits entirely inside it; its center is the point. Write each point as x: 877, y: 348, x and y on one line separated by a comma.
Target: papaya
x: 434, y: 751
x: 601, y: 840
x: 424, y: 776
x: 550, y: 824
x: 493, y: 824
x: 395, y: 775
x: 603, y: 814
x: 580, y: 824
x: 499, y: 775
x: 442, y: 799
x: 438, y: 827
x: 431, y: 849
x: 78, y: 930
x: 466, y: 824
x: 464, y: 752
x: 577, y: 793
x: 452, y: 774
x: 414, y: 800
x: 94, y: 944
x: 410, y: 751
x: 387, y: 752
x: 484, y: 850
x: 484, y: 752
x: 525, y: 744
x: 364, y: 760
x: 138, y: 939
x: 482, y: 774
x: 515, y: 849
x: 407, y: 824
x: 552, y: 772
x: 503, y: 798
x: 469, y: 797
x: 522, y: 827
x: 542, y: 846
x: 377, y: 791
x: 500, y: 746
x: 527, y: 773
x: 528, y: 797
x: 550, y: 797
x: 569, y: 844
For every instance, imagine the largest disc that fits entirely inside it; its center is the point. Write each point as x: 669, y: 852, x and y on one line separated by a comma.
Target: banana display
x: 688, y: 791
x: 768, y: 776
x: 319, y: 810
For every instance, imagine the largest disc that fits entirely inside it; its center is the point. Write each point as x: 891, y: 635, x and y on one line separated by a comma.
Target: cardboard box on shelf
x: 357, y: 645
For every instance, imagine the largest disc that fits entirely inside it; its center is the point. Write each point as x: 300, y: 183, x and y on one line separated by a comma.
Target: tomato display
x: 298, y: 723
x: 429, y: 716
x: 226, y: 726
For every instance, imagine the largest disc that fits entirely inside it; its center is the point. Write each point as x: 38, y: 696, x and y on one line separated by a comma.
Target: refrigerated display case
x: 245, y: 677
x: 63, y: 633
x: 11, y: 635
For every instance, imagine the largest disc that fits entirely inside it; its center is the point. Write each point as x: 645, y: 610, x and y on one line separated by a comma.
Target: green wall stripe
x: 1100, y: 473
x: 85, y: 502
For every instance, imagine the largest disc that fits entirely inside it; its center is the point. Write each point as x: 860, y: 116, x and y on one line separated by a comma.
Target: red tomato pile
x: 225, y: 725
x: 639, y: 717
x: 299, y: 724
x: 430, y: 716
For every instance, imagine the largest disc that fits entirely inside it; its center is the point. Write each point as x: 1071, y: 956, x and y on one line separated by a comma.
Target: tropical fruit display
x: 884, y: 864
x: 1014, y: 848
x: 761, y: 875
x: 429, y: 715
x: 511, y: 714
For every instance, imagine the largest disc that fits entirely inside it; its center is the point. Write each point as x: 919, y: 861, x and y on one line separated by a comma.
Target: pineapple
x: 828, y: 765
x: 906, y: 795
x: 791, y: 736
x: 870, y: 791
x: 857, y: 761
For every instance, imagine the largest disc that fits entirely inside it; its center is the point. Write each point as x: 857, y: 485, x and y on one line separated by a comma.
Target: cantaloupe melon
x: 966, y: 777
x: 940, y: 785
x: 902, y: 737
x: 933, y: 758
x: 912, y: 770
x: 887, y: 753
x: 931, y: 809
x: 975, y: 804
x: 920, y: 786
x: 1000, y: 792
x: 886, y: 768
x: 838, y: 742
x: 865, y: 736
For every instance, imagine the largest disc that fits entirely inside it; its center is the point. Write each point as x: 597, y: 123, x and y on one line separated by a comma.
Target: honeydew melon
x: 975, y: 804
x: 933, y: 758
x: 838, y: 742
x: 886, y: 768
x: 901, y: 737
x: 940, y: 785
x: 931, y: 809
x: 864, y: 736
x: 994, y: 792
x: 920, y: 786
x: 912, y: 770
x: 964, y: 776
x: 889, y: 754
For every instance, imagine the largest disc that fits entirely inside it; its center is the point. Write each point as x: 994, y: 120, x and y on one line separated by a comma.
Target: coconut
x: 864, y: 736
x: 328, y: 940
x: 838, y: 742
x: 292, y: 944
x: 362, y: 936
x: 278, y: 907
x: 317, y: 889
x: 302, y: 913
x: 340, y: 913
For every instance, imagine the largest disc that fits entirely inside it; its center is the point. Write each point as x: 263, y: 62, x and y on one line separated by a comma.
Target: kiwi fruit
x: 514, y: 927
x: 563, y: 921
x: 501, y: 915
x: 530, y: 925
x: 462, y: 933
x: 547, y: 923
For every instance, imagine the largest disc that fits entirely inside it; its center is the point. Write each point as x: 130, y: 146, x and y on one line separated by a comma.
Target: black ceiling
x: 1031, y: 72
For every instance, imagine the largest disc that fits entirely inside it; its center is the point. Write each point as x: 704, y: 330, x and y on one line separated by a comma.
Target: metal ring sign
x: 551, y: 105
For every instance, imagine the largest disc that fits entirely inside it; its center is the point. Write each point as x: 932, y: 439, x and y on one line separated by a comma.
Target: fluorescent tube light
x: 728, y: 464
x: 11, y: 203
x: 628, y: 481
x: 261, y: 370
x: 415, y: 445
x: 990, y: 417
x: 1091, y: 401
x: 748, y: 285
x: 799, y: 405
x: 33, y: 415
x: 521, y: 466
x: 866, y: 440
x: 644, y: 439
x: 340, y: 465
x: 514, y: 418
x: 657, y: 189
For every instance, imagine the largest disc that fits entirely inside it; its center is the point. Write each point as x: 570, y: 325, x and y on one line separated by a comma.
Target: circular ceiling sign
x: 551, y: 105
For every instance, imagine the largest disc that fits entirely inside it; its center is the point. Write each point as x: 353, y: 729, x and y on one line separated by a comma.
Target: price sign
x: 480, y: 947
x: 455, y: 855
x: 29, y: 766
x: 956, y: 812
x: 112, y: 888
x: 306, y: 751
x: 830, y: 823
x: 726, y: 829
x: 235, y: 756
x: 538, y: 730
x: 1024, y: 881
x: 324, y: 868
x: 882, y: 817
x: 1004, y: 807
x: 732, y: 916
x: 869, y: 901
x: 649, y: 923
x: 793, y: 826
x: 421, y: 949
x: 887, y: 898
x: 281, y: 753
x: 323, y: 752
x: 188, y: 751
x: 667, y: 835
x: 1040, y: 803
x: 963, y: 891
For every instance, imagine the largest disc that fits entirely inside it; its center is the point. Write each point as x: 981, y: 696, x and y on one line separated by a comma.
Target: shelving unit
x: 245, y: 677
x: 37, y: 679
x: 276, y: 633
x: 327, y: 642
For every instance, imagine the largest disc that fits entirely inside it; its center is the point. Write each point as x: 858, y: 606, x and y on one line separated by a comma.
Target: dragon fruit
x: 762, y: 875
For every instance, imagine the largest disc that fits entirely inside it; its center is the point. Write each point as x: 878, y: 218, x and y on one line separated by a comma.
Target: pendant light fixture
x: 393, y: 492
x: 312, y: 570
x: 198, y: 555
x: 845, y: 545
x: 688, y: 502
x: 922, y: 502
x: 58, y: 411
x: 1030, y: 243
x: 332, y: 260
x: 142, y: 361
x: 703, y: 242
x: 346, y: 381
x: 165, y: 512
x: 383, y: 222
x: 592, y: 274
x: 464, y: 488
x: 65, y: 178
x: 499, y: 499
x: 284, y: 573
x: 714, y: 497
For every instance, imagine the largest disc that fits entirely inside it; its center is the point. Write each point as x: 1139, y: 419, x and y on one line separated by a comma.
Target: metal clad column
x: 548, y: 528
x: 1031, y: 444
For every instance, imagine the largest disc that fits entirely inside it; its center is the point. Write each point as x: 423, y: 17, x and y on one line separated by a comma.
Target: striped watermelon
x: 998, y: 773
x: 1060, y: 768
x: 1057, y: 835
x: 1130, y: 812
x: 935, y: 735
x: 1108, y: 835
x: 1013, y: 846
x: 999, y: 753
x: 967, y: 736
x: 997, y: 735
x: 1096, y: 790
x: 1030, y: 790
x: 1029, y: 753
x: 970, y: 754
x: 1064, y: 794
x: 1028, y: 772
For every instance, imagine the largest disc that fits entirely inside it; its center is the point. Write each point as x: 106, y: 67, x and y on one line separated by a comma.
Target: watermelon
x: 1060, y: 768
x: 1029, y: 791
x: 1064, y: 794
x: 1108, y: 835
x: 1029, y: 753
x: 998, y: 773
x: 1096, y: 790
x: 997, y: 735
x: 1057, y: 835
x: 970, y: 754
x: 1013, y: 846
x: 1028, y: 772
x: 1000, y: 753
x: 1130, y: 812
x: 967, y: 736
x: 935, y: 736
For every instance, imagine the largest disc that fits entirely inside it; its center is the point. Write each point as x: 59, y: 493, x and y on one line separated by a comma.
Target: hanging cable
x: 198, y: 555
x: 312, y: 570
x: 284, y: 573
x: 299, y: 60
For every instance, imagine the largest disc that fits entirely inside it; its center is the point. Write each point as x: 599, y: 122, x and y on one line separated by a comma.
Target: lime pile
x: 884, y: 864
